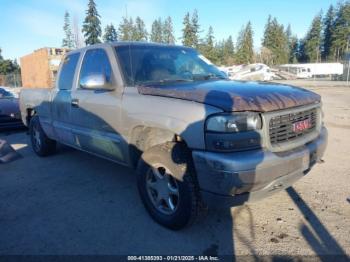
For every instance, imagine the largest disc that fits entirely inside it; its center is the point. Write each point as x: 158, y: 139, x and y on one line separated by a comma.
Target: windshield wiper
x: 163, y: 81
x: 168, y: 80
x: 209, y: 76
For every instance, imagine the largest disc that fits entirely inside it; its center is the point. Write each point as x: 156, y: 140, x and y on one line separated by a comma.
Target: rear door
x: 61, y: 99
x: 96, y: 113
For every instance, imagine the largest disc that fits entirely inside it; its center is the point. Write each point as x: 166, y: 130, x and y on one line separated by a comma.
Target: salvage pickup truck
x: 195, y: 137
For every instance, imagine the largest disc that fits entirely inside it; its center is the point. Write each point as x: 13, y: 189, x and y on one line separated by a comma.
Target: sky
x: 27, y: 25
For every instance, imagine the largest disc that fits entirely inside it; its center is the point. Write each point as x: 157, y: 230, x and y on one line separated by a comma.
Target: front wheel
x: 41, y: 144
x: 168, y: 186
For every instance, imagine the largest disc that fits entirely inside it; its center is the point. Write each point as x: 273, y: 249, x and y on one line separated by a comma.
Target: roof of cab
x: 127, y: 43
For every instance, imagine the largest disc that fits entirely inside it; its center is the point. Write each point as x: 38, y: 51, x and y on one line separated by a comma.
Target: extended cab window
x: 65, y: 80
x: 96, y: 62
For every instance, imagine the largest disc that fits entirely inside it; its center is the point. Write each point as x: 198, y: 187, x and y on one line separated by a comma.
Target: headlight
x: 232, y: 123
x: 233, y: 132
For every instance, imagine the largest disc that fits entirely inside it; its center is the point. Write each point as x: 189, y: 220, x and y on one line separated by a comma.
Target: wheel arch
x: 143, y: 138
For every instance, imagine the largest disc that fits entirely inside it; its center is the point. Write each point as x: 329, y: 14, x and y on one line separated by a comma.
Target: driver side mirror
x: 95, y: 82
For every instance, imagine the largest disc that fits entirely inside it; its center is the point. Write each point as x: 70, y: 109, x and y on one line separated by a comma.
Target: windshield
x: 142, y: 65
x: 5, y: 94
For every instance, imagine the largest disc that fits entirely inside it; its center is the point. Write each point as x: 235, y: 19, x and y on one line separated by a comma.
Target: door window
x: 96, y: 62
x: 65, y: 81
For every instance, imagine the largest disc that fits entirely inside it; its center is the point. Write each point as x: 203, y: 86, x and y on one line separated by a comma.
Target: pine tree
x: 68, y: 40
x: 276, y: 40
x: 208, y: 49
x: 220, y: 52
x: 92, y: 25
x: 195, y: 29
x: 267, y: 38
x: 157, y: 31
x: 110, y: 34
x: 341, y: 33
x: 1, y: 58
x: 293, y: 50
x: 126, y: 29
x: 312, y: 42
x: 168, y: 31
x: 245, y: 49
x: 228, y: 52
x: 292, y: 45
x: 187, y: 39
x: 17, y: 68
x: 328, y: 28
x: 140, y: 32
x: 302, y: 52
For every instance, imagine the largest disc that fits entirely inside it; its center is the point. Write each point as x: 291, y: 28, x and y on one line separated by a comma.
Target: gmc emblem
x: 301, y: 125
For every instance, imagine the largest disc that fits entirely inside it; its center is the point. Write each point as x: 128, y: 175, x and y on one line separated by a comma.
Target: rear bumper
x: 229, y: 179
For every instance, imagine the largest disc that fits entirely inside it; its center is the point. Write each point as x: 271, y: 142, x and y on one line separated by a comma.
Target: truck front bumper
x: 230, y: 179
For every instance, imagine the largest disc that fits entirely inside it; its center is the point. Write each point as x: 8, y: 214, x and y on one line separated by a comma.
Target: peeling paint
x: 236, y: 95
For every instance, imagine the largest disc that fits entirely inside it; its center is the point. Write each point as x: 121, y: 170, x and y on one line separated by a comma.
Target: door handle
x: 75, y: 102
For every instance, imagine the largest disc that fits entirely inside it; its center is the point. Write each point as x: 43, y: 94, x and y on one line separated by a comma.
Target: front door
x: 96, y: 113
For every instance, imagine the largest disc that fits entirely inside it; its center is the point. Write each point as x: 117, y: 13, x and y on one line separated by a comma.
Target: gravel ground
x: 75, y: 203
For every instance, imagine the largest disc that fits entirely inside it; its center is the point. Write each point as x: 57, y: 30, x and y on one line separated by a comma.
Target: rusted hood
x: 236, y: 95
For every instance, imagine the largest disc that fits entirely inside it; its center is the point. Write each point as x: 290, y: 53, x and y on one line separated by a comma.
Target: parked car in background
x: 10, y: 115
x: 195, y: 137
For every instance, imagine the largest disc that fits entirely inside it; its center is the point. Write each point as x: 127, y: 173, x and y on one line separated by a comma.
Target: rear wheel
x: 168, y: 186
x: 41, y: 144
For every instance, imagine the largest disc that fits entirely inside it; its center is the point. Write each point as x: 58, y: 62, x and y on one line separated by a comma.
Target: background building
x: 39, y: 69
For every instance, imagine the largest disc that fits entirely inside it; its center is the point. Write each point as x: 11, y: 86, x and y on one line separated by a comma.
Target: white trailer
x: 313, y: 69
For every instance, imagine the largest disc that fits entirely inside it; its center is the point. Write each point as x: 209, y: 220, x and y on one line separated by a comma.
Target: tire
x: 41, y: 144
x: 173, y: 162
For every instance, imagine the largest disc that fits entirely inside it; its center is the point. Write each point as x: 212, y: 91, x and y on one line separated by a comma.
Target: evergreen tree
x: 293, y: 50
x: 187, y: 38
x: 289, y: 33
x: 195, y: 29
x: 341, y: 33
x: 110, y: 34
x: 208, y: 49
x: 312, y: 43
x: 267, y: 38
x: 228, y: 52
x: 220, y: 52
x: 126, y: 29
x: 140, y: 32
x: 245, y: 51
x: 68, y: 40
x: 157, y: 31
x: 302, y: 56
x: 92, y: 25
x: 16, y: 66
x: 276, y: 40
x: 168, y: 31
x: 292, y: 45
x: 7, y: 66
x: 328, y: 28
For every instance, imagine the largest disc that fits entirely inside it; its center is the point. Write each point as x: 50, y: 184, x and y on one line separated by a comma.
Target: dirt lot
x: 75, y: 203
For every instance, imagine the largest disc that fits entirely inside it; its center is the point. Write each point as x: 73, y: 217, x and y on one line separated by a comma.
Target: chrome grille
x: 281, y: 127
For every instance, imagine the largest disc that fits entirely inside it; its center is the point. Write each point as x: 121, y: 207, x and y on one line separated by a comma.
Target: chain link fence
x: 11, y: 80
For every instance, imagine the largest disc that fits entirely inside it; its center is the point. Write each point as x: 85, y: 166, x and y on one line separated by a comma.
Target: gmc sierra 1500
x: 194, y: 136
